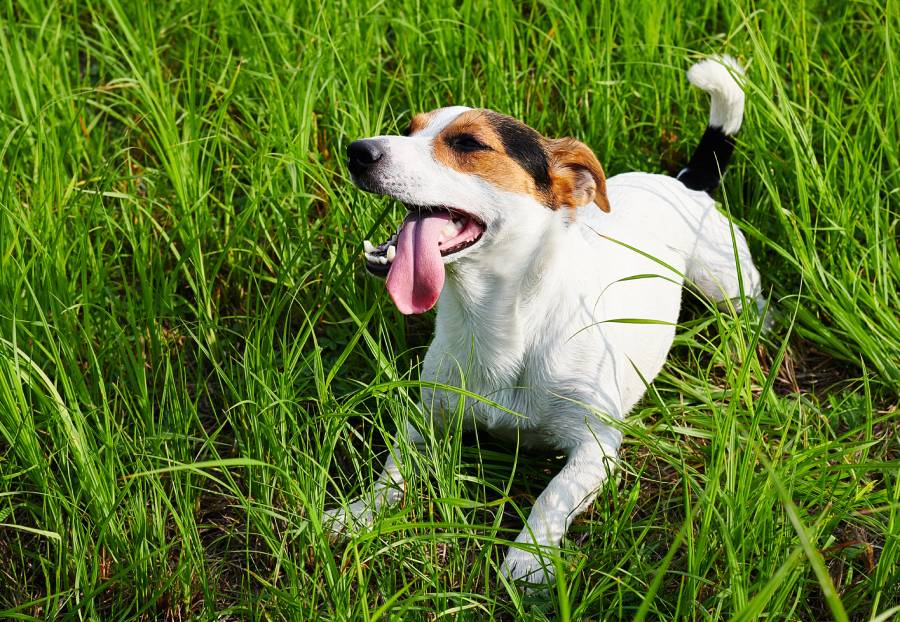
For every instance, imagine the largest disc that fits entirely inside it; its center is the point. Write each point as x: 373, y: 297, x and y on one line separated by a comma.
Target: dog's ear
x: 575, y: 174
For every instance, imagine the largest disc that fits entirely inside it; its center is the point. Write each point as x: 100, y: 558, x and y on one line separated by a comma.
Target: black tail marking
x: 707, y: 165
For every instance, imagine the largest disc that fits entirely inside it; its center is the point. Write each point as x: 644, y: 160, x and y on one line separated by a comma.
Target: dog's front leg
x: 568, y: 495
x: 387, y: 490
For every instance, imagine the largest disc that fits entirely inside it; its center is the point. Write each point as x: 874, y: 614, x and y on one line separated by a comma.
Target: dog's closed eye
x: 466, y: 143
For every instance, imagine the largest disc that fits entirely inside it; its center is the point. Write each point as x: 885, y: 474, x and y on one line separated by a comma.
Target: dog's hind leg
x: 720, y: 266
x: 387, y: 490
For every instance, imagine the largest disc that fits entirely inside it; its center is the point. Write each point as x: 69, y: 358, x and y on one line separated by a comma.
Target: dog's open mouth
x: 461, y: 232
x: 412, y: 260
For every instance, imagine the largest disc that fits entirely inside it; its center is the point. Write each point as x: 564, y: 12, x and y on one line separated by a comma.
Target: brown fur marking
x: 419, y: 123
x: 576, y: 174
x: 493, y: 165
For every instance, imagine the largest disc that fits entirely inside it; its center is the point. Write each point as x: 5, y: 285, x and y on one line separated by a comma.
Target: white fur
x: 528, y: 318
x: 718, y: 77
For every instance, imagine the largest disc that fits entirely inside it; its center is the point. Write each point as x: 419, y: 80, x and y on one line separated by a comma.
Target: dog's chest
x: 516, y: 385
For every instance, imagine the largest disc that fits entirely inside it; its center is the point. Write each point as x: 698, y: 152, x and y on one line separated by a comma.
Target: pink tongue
x: 416, y: 276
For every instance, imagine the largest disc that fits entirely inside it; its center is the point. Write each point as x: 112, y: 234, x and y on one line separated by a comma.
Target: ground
x: 193, y: 363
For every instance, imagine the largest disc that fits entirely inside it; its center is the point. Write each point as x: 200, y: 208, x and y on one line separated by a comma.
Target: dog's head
x: 472, y: 181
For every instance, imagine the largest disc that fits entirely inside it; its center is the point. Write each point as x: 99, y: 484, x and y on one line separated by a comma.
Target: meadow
x: 194, y: 364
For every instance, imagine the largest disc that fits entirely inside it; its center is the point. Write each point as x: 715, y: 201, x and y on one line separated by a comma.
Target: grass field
x: 193, y: 363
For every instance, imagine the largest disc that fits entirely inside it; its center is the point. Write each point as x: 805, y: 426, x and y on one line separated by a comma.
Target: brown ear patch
x: 575, y: 174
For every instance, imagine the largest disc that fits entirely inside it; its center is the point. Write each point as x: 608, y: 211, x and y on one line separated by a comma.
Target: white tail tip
x: 719, y: 77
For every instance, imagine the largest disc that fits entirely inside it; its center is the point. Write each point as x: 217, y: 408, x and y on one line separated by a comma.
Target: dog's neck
x: 488, y: 298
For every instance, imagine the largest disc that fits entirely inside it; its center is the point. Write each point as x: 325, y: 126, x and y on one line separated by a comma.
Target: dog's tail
x: 719, y: 77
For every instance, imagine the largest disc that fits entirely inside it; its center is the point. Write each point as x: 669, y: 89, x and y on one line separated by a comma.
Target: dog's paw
x: 527, y: 567
x: 342, y: 520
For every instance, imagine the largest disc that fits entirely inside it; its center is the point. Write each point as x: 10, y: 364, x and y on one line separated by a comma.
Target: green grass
x: 193, y: 364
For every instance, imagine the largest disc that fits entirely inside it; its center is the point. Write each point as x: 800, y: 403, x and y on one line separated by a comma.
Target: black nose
x: 362, y: 155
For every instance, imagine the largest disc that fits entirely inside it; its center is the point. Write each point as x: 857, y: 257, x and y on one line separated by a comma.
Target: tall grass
x: 193, y: 364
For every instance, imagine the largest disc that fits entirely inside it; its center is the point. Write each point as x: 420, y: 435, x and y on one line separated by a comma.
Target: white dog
x: 540, y: 267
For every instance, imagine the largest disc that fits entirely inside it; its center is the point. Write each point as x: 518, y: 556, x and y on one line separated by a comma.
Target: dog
x: 557, y: 290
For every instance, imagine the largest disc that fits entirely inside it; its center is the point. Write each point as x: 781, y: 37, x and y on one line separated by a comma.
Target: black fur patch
x: 712, y: 155
x: 523, y: 145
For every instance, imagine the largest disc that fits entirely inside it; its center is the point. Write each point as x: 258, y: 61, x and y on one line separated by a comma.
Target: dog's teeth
x: 368, y: 246
x: 382, y: 260
x: 451, y: 229
x: 391, y: 252
x: 371, y: 258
